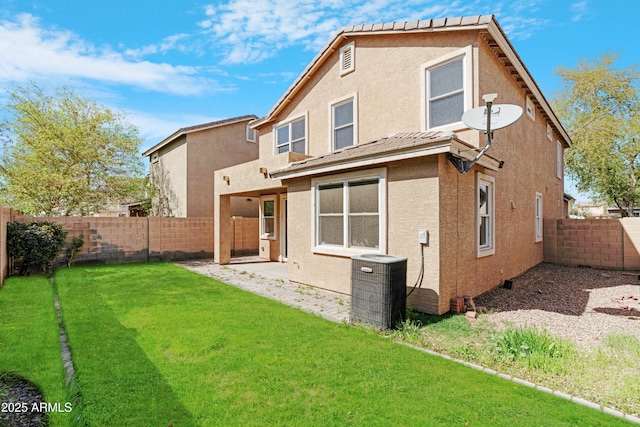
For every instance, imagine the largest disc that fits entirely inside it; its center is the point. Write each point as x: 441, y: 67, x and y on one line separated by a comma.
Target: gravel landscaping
x: 581, y: 304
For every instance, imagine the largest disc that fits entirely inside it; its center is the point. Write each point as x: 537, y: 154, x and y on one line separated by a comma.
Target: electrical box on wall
x: 423, y: 237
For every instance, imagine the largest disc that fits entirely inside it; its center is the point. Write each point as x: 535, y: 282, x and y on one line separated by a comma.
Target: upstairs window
x: 343, y: 123
x: 447, y: 90
x: 251, y: 134
x: 559, y: 160
x: 291, y: 136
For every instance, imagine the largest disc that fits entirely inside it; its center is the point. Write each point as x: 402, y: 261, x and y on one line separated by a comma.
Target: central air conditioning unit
x: 378, y: 290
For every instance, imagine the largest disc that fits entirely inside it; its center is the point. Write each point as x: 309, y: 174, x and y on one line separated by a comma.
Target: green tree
x: 65, y: 154
x: 600, y: 108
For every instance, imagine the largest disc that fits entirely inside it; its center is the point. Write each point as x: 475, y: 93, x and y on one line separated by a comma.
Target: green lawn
x: 29, y: 339
x: 157, y: 345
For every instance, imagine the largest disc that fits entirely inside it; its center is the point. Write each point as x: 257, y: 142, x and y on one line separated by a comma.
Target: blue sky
x: 175, y: 64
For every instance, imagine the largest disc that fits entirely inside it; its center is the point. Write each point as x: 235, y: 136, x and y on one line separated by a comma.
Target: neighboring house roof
x: 396, y: 147
x: 189, y: 129
x: 493, y: 34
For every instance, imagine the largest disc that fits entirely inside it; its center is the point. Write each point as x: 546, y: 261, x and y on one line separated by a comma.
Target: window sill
x: 344, y: 252
x: 267, y: 237
x: 481, y: 253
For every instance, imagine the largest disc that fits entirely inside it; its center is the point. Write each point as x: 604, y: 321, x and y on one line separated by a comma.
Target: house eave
x: 186, y: 130
x: 531, y: 86
x: 453, y: 146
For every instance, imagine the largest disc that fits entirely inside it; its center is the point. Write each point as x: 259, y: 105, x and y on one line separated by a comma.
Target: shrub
x: 532, y: 347
x: 35, y: 245
x: 76, y: 246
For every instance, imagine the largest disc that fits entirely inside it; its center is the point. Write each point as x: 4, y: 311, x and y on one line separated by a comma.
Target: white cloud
x: 579, y: 10
x: 250, y: 31
x: 168, y: 43
x: 31, y: 52
x: 155, y: 127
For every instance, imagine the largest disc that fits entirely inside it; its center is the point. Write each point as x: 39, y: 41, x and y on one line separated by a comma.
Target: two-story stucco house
x: 182, y: 166
x: 356, y: 157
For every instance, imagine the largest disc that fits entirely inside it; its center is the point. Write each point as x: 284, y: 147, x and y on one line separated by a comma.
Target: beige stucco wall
x: 186, y: 166
x: 412, y: 205
x: 208, y: 151
x: 387, y: 81
x: 170, y: 174
x: 425, y: 193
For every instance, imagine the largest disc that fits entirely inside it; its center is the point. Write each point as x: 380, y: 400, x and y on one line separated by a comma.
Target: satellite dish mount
x: 481, y: 118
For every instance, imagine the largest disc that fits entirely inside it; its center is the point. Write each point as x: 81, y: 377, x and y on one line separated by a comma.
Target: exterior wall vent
x: 347, y: 59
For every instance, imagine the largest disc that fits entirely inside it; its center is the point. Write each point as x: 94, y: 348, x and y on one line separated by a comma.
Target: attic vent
x: 347, y: 59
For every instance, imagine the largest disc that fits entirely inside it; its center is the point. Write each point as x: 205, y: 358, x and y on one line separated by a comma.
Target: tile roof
x: 424, y: 24
x: 377, y: 151
x: 194, y: 128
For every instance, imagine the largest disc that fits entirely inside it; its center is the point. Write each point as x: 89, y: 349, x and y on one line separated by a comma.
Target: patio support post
x: 222, y: 230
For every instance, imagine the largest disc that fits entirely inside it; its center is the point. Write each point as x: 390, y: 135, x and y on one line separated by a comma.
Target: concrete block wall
x: 180, y: 238
x: 598, y: 243
x: 131, y: 239
x: 246, y: 236
x: 631, y: 243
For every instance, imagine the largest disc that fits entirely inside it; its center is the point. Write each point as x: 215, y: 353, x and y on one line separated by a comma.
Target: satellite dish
x: 502, y: 115
x: 478, y: 118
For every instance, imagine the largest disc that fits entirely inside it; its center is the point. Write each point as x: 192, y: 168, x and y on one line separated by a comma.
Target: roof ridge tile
x: 453, y: 22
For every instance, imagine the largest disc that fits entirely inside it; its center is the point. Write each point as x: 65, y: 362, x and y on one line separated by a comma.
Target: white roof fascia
x: 513, y: 57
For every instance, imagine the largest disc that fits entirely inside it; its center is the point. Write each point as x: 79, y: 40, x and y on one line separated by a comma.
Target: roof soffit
x: 498, y: 42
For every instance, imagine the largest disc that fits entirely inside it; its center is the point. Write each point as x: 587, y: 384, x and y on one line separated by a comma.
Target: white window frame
x: 336, y: 103
x: 538, y: 214
x: 530, y: 108
x: 559, y: 160
x: 466, y: 54
x: 251, y: 135
x: 347, y: 54
x: 263, y: 233
x: 289, y: 122
x: 344, y: 249
x: 549, y: 132
x: 490, y: 248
